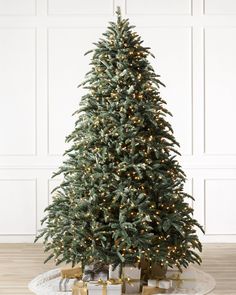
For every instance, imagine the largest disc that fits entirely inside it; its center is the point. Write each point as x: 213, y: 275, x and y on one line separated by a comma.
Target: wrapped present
x: 152, y: 283
x: 94, y: 288
x: 104, y: 288
x: 101, y: 276
x: 114, y: 273
x: 131, y: 276
x: 71, y: 272
x: 69, y: 277
x: 147, y: 290
x: 80, y: 288
x: 114, y: 289
x: 163, y: 283
x: 66, y: 285
x: 96, y: 271
x: 88, y: 273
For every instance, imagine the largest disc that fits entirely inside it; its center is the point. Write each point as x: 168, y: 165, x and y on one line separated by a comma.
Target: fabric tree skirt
x: 192, y: 281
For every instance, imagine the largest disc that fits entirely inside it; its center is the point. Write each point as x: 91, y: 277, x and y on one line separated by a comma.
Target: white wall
x: 41, y: 63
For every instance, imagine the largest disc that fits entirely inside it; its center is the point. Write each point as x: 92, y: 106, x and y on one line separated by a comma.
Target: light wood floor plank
x: 19, y: 263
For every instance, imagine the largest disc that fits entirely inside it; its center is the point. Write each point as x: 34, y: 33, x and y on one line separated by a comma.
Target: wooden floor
x: 19, y: 263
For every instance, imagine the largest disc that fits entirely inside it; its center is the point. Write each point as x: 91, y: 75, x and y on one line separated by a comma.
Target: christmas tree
x: 122, y: 197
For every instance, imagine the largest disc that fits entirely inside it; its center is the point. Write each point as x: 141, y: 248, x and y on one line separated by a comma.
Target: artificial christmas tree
x: 122, y: 197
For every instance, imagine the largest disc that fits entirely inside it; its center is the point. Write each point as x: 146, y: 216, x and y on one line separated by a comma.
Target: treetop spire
x: 118, y: 13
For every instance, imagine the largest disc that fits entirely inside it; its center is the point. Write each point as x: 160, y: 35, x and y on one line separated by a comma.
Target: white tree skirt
x: 193, y: 281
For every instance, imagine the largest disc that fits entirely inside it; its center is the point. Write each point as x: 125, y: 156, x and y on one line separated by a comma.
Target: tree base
x: 157, y: 271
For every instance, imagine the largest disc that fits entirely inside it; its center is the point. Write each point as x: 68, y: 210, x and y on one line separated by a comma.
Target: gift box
x: 163, y: 283
x: 88, y: 275
x: 80, y: 289
x: 94, y: 272
x: 147, y: 290
x: 66, y: 285
x: 69, y: 277
x: 152, y: 283
x: 101, y: 276
x: 131, y: 276
x: 114, y: 289
x: 114, y: 273
x: 104, y: 288
x: 71, y: 272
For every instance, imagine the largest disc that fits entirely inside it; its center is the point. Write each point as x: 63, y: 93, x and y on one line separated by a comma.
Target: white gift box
x: 96, y: 289
x: 100, y: 276
x: 114, y: 274
x: 90, y: 277
x: 152, y: 283
x: 163, y: 284
x: 134, y: 273
x: 66, y: 285
x: 87, y: 277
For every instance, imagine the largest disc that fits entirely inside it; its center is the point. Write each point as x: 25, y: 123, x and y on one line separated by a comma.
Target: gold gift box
x: 147, y: 290
x: 70, y: 273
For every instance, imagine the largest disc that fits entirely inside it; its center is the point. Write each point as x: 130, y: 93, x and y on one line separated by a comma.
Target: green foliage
x: 122, y: 196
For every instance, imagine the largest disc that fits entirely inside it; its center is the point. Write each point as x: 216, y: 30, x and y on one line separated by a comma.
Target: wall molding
x: 81, y: 14
x: 205, y: 207
x: 34, y: 180
x: 35, y: 93
x: 160, y: 14
x: 204, y: 93
x: 215, y: 14
x: 21, y: 14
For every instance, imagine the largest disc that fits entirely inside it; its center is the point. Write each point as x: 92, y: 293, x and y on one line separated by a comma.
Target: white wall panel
x: 220, y: 217
x: 173, y: 50
x: 220, y: 91
x: 17, y: 91
x: 18, y: 207
x: 67, y: 68
x: 158, y: 6
x: 16, y: 7
x: 219, y: 6
x: 88, y: 7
